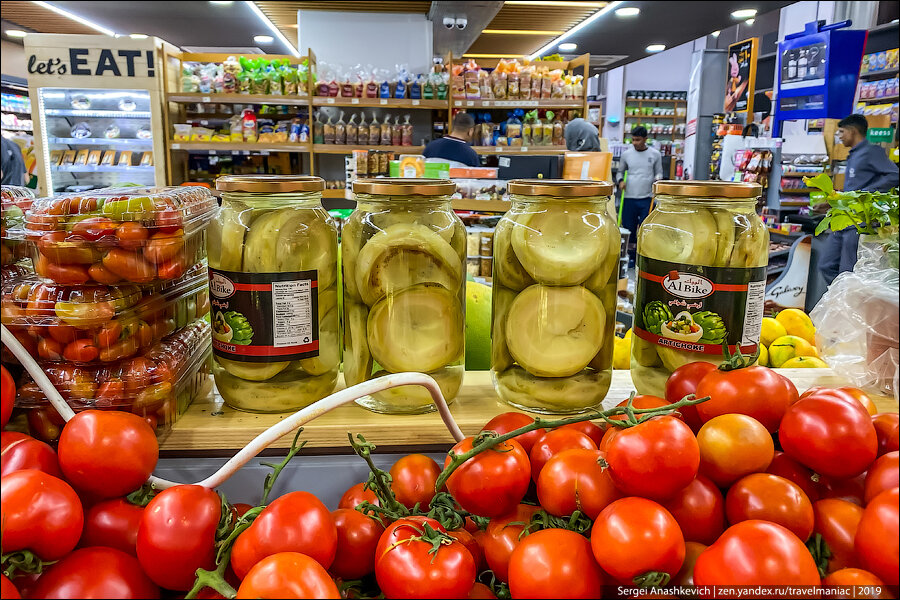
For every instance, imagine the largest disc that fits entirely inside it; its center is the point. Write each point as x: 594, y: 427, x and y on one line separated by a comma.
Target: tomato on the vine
x: 758, y: 392
x: 554, y: 442
x: 554, y: 563
x: 288, y: 575
x: 887, y: 428
x: 19, y: 451
x: 8, y: 589
x: 588, y: 428
x: 576, y: 480
x: 851, y: 490
x: 684, y: 381
x: 785, y: 466
x: 492, y: 483
x: 883, y: 474
x: 510, y: 421
x: 502, y: 536
x: 95, y: 572
x: 837, y: 522
x: 854, y: 396
x: 480, y: 591
x: 766, y: 497
x: 113, y: 523
x: 357, y: 538
x: 877, y: 539
x: 641, y: 401
x: 732, y: 446
x: 356, y: 495
x: 412, y: 480
x: 467, y: 539
x: 699, y: 509
x: 8, y: 393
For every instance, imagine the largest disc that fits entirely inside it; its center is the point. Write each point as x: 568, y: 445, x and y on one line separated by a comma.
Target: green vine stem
x: 736, y: 361
x: 23, y: 561
x: 379, y: 481
x: 821, y: 553
x: 272, y: 477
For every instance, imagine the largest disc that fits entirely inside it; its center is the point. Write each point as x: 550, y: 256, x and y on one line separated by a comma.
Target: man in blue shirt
x: 455, y: 145
x: 868, y: 168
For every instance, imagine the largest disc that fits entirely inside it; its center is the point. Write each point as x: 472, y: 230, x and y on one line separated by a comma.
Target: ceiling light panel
x: 77, y: 18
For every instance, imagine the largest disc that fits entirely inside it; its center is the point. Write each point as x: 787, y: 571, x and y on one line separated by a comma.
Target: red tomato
x: 95, y: 573
x: 356, y: 495
x: 468, y: 540
x: 700, y: 511
x: 8, y: 589
x: 608, y: 435
x: 357, y: 538
x: 83, y: 351
x: 829, y: 435
x: 785, y: 466
x: 502, y: 536
x: 94, y: 228
x: 413, y: 478
x: 576, y: 480
x: 41, y: 424
x: 849, y: 394
x: 19, y: 451
x: 493, y: 482
x: 510, y: 421
x: 837, y: 522
x: 177, y: 535
x: 8, y: 393
x: 40, y: 513
x: 758, y: 392
x: 132, y: 235
x: 480, y: 592
x: 592, y: 430
x: 101, y: 274
x: 241, y: 508
x: 64, y: 334
x: 654, y: 459
x: 857, y: 583
x: 635, y: 536
x: 554, y: 442
x: 162, y: 247
x: 877, y: 540
x: 685, y: 576
x: 641, y: 401
x: 887, y: 427
x: 406, y: 566
x: 883, y: 474
x: 171, y: 269
x: 684, y: 381
x: 49, y: 349
x: 168, y: 220
x: 766, y: 497
x: 129, y: 265
x: 288, y: 575
x: 113, y: 523
x: 539, y: 569
x: 295, y: 522
x: 851, y: 490
x: 64, y: 274
x: 107, y: 453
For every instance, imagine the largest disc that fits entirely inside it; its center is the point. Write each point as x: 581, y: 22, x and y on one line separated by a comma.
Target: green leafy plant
x: 872, y: 213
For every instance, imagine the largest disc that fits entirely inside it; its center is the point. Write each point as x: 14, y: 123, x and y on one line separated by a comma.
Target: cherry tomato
x: 241, y: 508
x: 101, y: 274
x: 356, y: 495
x: 64, y: 334
x: 785, y: 466
x: 829, y: 435
x: 8, y: 393
x: 858, y: 583
x: 138, y: 374
x: 162, y: 247
x: 732, y: 446
x: 168, y: 220
x: 19, y: 452
x: 502, y: 536
x: 357, y: 538
x: 877, y: 540
x: 64, y: 274
x: 288, y: 575
x: 837, y: 522
x: 42, y: 425
x: 129, y: 265
x: 684, y: 381
x: 480, y: 591
x: 468, y: 540
x: 171, y: 269
x: 41, y: 513
x: 61, y: 248
x: 883, y: 474
x: 887, y: 427
x: 177, y: 535
x: 758, y: 392
x: 592, y: 430
x: 413, y: 478
x: 766, y: 497
x: 50, y: 349
x: 132, y: 235
x: 553, y: 442
x: 294, y: 522
x: 94, y: 228
x: 8, y: 589
x: 635, y: 536
x: 113, y: 523
x: 492, y: 483
x: 685, y: 576
x: 576, y: 480
x: 81, y: 351
x: 756, y: 553
x: 109, y: 334
x: 107, y: 453
x: 654, y: 459
x: 510, y: 421
x: 538, y: 569
x: 95, y: 573
x: 699, y: 509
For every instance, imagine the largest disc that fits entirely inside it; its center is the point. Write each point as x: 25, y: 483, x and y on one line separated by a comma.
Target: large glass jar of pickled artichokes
x: 554, y: 296
x: 701, y: 278
x: 404, y: 266
x: 273, y: 293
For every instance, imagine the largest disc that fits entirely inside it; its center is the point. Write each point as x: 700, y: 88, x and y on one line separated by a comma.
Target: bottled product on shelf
x: 14, y: 201
x: 356, y: 131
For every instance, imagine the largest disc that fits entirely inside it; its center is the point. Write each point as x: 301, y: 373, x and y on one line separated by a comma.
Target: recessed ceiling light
x: 628, y: 11
x: 268, y: 23
x: 16, y: 33
x: 225, y: 3
x: 656, y: 47
x: 585, y: 23
x: 567, y: 47
x: 716, y: 33
x: 750, y: 21
x: 263, y: 39
x: 138, y: 36
x: 744, y: 13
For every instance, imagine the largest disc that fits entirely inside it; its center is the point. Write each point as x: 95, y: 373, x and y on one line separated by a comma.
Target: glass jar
x: 556, y: 253
x: 273, y: 293
x: 403, y: 252
x: 701, y: 278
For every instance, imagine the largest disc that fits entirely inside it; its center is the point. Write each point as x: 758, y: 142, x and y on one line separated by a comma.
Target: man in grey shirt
x: 868, y: 168
x: 644, y: 166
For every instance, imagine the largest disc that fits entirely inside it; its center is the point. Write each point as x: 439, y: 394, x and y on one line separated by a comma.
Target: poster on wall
x: 803, y: 67
x: 741, y: 80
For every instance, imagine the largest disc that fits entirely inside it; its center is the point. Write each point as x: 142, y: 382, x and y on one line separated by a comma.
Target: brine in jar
x: 273, y: 293
x: 554, y: 296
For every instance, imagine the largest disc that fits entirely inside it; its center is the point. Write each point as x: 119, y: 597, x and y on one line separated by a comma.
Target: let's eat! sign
x: 79, y: 60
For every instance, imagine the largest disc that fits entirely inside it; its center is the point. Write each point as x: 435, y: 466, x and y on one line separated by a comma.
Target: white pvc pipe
x: 40, y: 378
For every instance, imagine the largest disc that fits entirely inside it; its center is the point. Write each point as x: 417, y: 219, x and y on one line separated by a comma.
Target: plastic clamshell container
x: 14, y: 201
x: 13, y: 272
x: 138, y: 235
x: 89, y: 324
x: 158, y: 385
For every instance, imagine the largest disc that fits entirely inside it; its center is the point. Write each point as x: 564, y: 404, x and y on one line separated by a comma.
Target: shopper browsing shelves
x: 455, y: 146
x: 643, y: 166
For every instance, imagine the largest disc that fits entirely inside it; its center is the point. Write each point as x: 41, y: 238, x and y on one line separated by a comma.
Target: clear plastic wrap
x: 857, y: 320
x: 14, y: 201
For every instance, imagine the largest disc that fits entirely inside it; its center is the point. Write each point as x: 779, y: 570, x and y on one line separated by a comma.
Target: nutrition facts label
x: 292, y: 313
x: 753, y: 314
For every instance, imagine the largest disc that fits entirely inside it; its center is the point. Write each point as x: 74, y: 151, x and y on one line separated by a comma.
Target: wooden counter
x: 209, y: 427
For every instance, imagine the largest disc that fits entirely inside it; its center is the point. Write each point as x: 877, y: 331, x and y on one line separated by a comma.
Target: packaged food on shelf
x: 158, y: 385
x: 142, y: 235
x: 14, y: 201
x: 92, y: 323
x: 256, y: 75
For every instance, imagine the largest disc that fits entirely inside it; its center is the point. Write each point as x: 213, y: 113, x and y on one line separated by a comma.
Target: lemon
x: 787, y: 347
x: 763, y: 356
x: 805, y: 362
x: 796, y: 322
x: 771, y: 331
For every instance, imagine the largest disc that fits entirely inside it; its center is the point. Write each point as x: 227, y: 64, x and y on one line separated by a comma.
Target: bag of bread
x: 578, y: 87
x: 498, y: 80
x: 458, y: 82
x: 397, y: 132
x: 407, y: 136
x: 547, y: 129
x: 484, y: 85
x: 386, y: 131
x: 557, y: 85
x: 473, y: 91
x: 362, y: 132
x: 525, y: 82
x: 374, y: 132
x: 328, y: 129
x: 352, y: 132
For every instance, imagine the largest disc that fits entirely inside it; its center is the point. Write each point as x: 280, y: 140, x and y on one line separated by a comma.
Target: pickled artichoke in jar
x: 554, y: 296
x: 403, y: 260
x: 701, y: 276
x: 272, y: 253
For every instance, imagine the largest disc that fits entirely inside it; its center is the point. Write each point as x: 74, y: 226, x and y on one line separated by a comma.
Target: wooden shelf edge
x: 520, y: 149
x: 381, y: 103
x: 234, y: 146
x: 187, y: 97
x: 344, y: 149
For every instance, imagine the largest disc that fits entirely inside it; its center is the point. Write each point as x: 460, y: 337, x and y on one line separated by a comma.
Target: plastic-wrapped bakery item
x: 14, y: 201
x: 85, y: 324
x: 142, y: 235
x: 158, y: 385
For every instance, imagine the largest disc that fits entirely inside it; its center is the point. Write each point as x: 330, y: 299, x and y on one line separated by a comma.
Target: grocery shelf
x: 237, y: 146
x: 654, y: 117
x: 5, y: 128
x: 102, y: 169
x: 237, y: 98
x: 380, y: 102
x: 129, y: 142
x: 97, y: 114
x: 18, y: 112
x: 883, y: 99
x: 520, y: 149
x: 481, y: 205
x: 346, y: 149
x: 210, y: 426
x: 549, y: 103
x: 880, y: 74
x: 801, y: 175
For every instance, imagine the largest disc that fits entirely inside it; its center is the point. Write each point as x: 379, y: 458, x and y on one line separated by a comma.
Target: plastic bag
x: 857, y: 320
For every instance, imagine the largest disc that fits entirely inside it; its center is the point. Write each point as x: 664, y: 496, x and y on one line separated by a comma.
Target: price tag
x: 354, y: 101
x: 212, y: 152
x: 486, y: 103
x: 245, y: 152
x: 330, y: 101
x: 498, y: 148
x: 470, y: 103
x: 457, y: 103
x: 416, y: 102
x: 176, y: 146
x: 383, y: 102
x: 524, y: 148
x: 206, y: 99
x: 503, y: 161
x: 204, y: 122
x: 264, y: 152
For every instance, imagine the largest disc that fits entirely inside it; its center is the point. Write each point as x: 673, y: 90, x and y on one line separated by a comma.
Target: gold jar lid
x: 270, y: 184
x: 398, y: 186
x: 567, y: 188
x: 708, y: 189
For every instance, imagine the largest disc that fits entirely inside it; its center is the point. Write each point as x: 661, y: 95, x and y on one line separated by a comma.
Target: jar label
x: 697, y: 309
x: 264, y: 317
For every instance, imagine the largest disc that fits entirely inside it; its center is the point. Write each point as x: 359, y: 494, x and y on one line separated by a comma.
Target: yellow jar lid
x: 270, y: 184
x: 568, y: 188
x: 398, y: 186
x: 708, y: 189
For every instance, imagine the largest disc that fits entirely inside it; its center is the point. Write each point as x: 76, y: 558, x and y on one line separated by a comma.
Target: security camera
x: 449, y: 22
x: 461, y: 22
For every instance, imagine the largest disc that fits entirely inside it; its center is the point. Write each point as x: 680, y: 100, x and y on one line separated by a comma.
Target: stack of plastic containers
x: 14, y: 259
x: 117, y: 310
